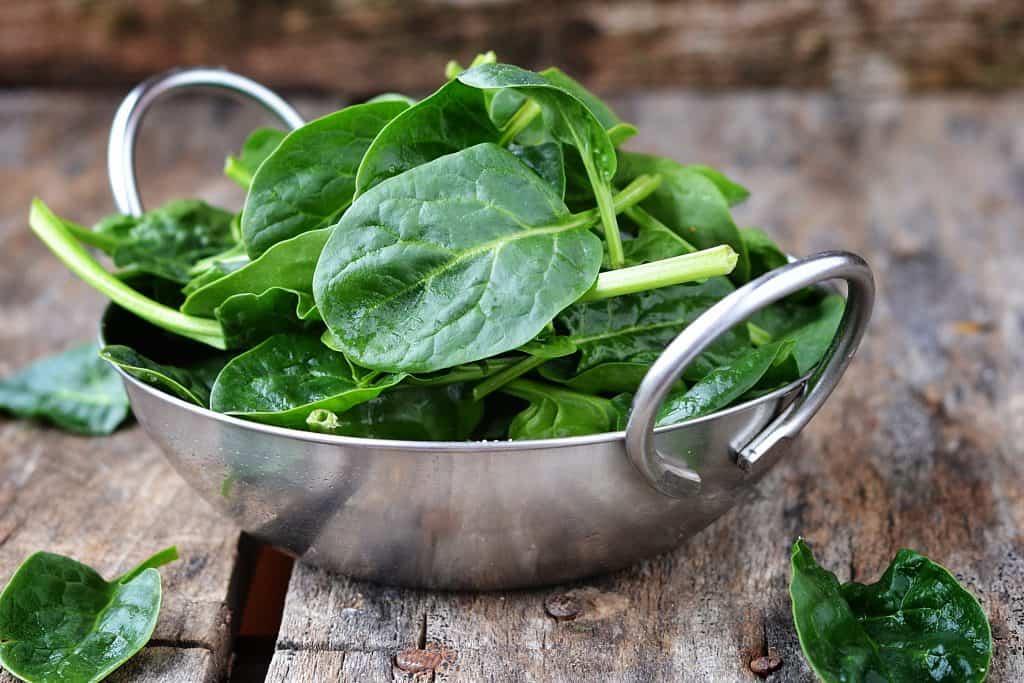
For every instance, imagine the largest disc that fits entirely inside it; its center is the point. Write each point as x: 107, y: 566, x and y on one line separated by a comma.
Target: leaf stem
x: 158, y: 560
x: 524, y: 116
x: 634, y: 193
x: 699, y: 265
x: 497, y: 381
x: 55, y: 235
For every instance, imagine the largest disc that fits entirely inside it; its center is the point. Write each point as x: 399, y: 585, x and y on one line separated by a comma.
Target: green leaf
x: 425, y: 271
x: 733, y: 192
x: 167, y: 242
x: 288, y: 265
x: 190, y: 384
x: 247, y: 318
x: 723, y: 385
x: 917, y: 623
x: 555, y: 412
x: 545, y: 160
x: 75, y: 390
x: 765, y: 255
x: 60, y: 621
x: 257, y: 147
x: 689, y: 203
x: 601, y: 111
x: 288, y: 376
x: 441, y: 413
x: 310, y: 178
x: 653, y: 240
x: 810, y: 326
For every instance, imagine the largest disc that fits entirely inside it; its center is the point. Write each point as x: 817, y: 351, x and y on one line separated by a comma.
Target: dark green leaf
x: 60, y: 621
x: 288, y: 376
x: 190, y: 384
x: 764, y: 254
x: 653, y: 241
x: 247, y: 319
x: 601, y: 111
x: 555, y: 412
x: 546, y: 161
x: 426, y: 271
x: 733, y: 192
x: 75, y: 390
x: 723, y: 385
x: 917, y: 623
x: 310, y: 178
x: 810, y: 325
x: 442, y: 413
x: 257, y: 147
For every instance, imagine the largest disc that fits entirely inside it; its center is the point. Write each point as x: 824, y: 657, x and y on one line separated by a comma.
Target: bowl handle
x: 674, y: 479
x: 124, y: 130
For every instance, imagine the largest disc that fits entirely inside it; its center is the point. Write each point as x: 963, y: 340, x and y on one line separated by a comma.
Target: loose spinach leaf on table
x: 257, y: 147
x: 425, y: 270
x: 75, y: 390
x: 555, y: 412
x: 192, y: 384
x: 288, y: 376
x: 60, y: 621
x: 440, y: 413
x: 917, y: 623
x: 309, y: 179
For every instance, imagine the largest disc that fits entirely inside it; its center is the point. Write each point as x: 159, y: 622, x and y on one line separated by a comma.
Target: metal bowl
x: 490, y: 515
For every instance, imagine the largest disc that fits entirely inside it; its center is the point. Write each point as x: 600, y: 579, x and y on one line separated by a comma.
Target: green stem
x: 699, y: 265
x: 606, y: 208
x: 238, y: 171
x: 497, y: 381
x: 158, y: 560
x: 524, y: 116
x: 758, y: 335
x: 470, y: 372
x: 644, y: 219
x: 634, y: 193
x: 52, y: 231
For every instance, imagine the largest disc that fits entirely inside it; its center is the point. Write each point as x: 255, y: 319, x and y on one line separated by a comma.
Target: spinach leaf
x: 733, y: 192
x: 167, y: 242
x: 723, y: 385
x: 810, y: 326
x: 310, y: 178
x: 190, y: 384
x: 601, y: 111
x: 74, y: 390
x: 441, y: 413
x: 60, y: 621
x: 554, y: 412
x: 917, y: 623
x: 288, y: 265
x: 247, y: 318
x: 688, y: 203
x: 546, y: 160
x: 424, y: 271
x: 257, y: 147
x: 653, y: 240
x: 764, y: 254
x: 288, y: 376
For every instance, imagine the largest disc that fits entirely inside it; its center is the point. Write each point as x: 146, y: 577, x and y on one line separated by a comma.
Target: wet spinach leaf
x: 546, y: 161
x: 257, y: 147
x: 765, y: 255
x: 555, y: 412
x: 809, y: 325
x: 441, y: 413
x: 247, y: 318
x: 310, y: 177
x: 288, y: 376
x: 653, y: 240
x: 192, y: 384
x: 60, y: 621
x: 424, y: 271
x: 75, y: 390
x: 917, y: 623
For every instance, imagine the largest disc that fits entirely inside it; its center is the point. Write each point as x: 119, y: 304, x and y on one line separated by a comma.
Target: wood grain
x: 919, y: 447
x: 360, y: 47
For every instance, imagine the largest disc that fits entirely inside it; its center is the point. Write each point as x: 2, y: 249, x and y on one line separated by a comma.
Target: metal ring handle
x: 677, y: 480
x: 125, y: 128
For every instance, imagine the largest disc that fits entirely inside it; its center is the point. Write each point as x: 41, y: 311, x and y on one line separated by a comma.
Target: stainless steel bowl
x: 489, y: 515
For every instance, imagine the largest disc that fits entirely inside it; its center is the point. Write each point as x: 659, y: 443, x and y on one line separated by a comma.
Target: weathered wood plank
x: 920, y: 446
x: 364, y: 47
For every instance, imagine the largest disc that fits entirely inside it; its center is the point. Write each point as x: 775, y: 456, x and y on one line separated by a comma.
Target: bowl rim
x: 446, y: 446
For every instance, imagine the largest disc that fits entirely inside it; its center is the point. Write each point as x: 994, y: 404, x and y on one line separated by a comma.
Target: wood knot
x: 585, y: 604
x: 764, y: 666
x: 417, y: 661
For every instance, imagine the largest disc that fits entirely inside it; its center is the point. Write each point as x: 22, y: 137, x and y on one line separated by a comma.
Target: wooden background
x: 363, y: 46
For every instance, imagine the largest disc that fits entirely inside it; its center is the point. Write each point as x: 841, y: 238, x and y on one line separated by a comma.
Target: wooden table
x: 921, y: 446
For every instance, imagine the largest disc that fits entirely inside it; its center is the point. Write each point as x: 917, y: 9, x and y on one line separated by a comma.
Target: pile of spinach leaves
x: 490, y: 247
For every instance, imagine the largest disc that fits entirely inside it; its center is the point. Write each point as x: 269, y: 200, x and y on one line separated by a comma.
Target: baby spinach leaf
x: 310, y: 177
x: 688, y: 203
x: 60, y: 621
x: 425, y: 271
x: 288, y: 376
x: 540, y: 350
x: 257, y: 147
x: 442, y: 413
x: 601, y: 111
x: 917, y: 623
x: 74, y: 390
x: 546, y: 161
x: 723, y: 385
x: 288, y: 265
x: 733, y: 192
x: 555, y: 412
x: 653, y: 240
x: 247, y: 318
x: 190, y: 384
x: 810, y: 326
x: 167, y: 242
x: 764, y: 254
